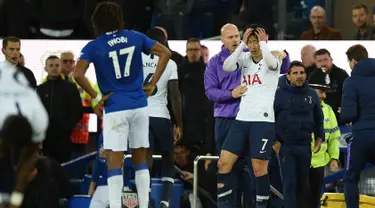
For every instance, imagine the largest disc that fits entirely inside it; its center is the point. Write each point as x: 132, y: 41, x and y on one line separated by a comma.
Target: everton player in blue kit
x: 117, y: 57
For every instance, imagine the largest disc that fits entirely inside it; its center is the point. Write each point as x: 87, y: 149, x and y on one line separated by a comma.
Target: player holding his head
x: 161, y: 129
x: 254, y: 124
x: 117, y: 57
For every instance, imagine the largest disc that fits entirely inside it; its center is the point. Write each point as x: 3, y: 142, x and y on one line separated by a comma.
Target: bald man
x: 308, y: 58
x: 225, y: 91
x: 319, y: 30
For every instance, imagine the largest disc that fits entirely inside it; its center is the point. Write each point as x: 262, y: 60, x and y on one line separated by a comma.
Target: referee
x: 358, y: 109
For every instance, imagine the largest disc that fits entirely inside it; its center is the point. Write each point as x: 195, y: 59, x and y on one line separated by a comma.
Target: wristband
x: 98, y: 98
x: 16, y: 198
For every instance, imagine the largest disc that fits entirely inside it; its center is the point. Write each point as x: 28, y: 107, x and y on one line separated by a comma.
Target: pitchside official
x: 298, y: 114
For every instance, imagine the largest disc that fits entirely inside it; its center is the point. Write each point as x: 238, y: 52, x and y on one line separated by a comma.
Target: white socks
x: 142, y: 181
x: 115, y: 186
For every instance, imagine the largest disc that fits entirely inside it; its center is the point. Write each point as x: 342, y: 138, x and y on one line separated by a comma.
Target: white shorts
x: 100, y: 197
x: 121, y: 126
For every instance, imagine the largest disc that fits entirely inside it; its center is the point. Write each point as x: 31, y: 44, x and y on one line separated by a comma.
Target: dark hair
x: 204, y: 47
x: 322, y: 52
x: 11, y: 131
x: 357, y: 52
x: 107, y: 17
x: 157, y: 34
x: 12, y: 39
x: 361, y: 6
x: 193, y: 40
x: 295, y: 64
x: 51, y: 58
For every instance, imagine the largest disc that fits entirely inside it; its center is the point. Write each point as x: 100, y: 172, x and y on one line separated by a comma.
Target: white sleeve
x: 40, y: 120
x: 271, y: 61
x: 235, y: 60
x: 173, y: 70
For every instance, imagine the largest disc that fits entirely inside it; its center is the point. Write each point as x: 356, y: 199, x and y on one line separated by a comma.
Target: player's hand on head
x: 148, y: 89
x: 239, y: 91
x: 261, y: 34
x: 246, y: 35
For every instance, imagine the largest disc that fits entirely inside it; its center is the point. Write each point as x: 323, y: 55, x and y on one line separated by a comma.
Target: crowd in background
x: 68, y: 134
x: 70, y: 19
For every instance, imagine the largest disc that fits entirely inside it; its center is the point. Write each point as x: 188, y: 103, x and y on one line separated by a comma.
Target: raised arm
x: 271, y: 61
x: 235, y: 60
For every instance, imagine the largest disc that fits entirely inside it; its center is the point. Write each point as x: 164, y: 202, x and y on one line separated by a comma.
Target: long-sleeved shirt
x: 219, y: 85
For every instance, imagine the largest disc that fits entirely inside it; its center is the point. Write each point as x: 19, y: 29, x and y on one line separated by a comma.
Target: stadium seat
x: 80, y: 201
x: 85, y: 185
x: 156, y: 192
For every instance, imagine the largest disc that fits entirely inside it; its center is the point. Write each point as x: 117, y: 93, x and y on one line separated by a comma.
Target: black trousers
x: 295, y: 168
x: 316, y: 184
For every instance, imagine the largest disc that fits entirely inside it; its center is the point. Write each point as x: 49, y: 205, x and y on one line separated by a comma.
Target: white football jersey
x: 157, y: 103
x: 257, y: 103
x: 16, y: 97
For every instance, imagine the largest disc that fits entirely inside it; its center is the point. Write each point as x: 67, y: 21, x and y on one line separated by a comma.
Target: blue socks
x: 263, y: 191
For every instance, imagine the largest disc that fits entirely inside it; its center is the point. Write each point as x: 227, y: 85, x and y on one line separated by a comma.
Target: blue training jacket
x: 358, y: 98
x: 298, y: 114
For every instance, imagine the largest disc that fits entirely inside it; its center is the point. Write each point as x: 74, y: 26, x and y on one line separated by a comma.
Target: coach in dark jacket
x: 298, y: 114
x: 63, y: 104
x: 358, y: 104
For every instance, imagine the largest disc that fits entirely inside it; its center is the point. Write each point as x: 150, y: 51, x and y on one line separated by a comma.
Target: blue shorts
x: 161, y: 134
x: 222, y: 128
x: 254, y: 139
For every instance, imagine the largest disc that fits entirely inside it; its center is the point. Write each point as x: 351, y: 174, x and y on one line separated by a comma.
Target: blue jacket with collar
x: 298, y: 114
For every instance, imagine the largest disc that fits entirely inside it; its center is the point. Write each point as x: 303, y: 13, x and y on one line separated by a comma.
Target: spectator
x: 197, y: 110
x: 47, y: 184
x: 202, y: 18
x: 63, y: 104
x: 259, y: 12
x: 320, y: 30
x: 361, y: 19
x: 308, y: 59
x: 336, y: 77
x: 11, y: 50
x: 185, y: 155
x: 205, y: 54
x: 373, y: 14
x: 57, y: 19
x: 174, y: 17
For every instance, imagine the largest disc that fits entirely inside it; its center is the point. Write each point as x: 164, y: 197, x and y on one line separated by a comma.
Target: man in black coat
x: 63, y: 104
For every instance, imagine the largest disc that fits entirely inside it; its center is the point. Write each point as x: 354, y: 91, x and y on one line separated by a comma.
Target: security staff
x: 329, y: 150
x: 298, y: 114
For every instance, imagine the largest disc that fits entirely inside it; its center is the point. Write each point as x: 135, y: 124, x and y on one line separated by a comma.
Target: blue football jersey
x: 117, y: 57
